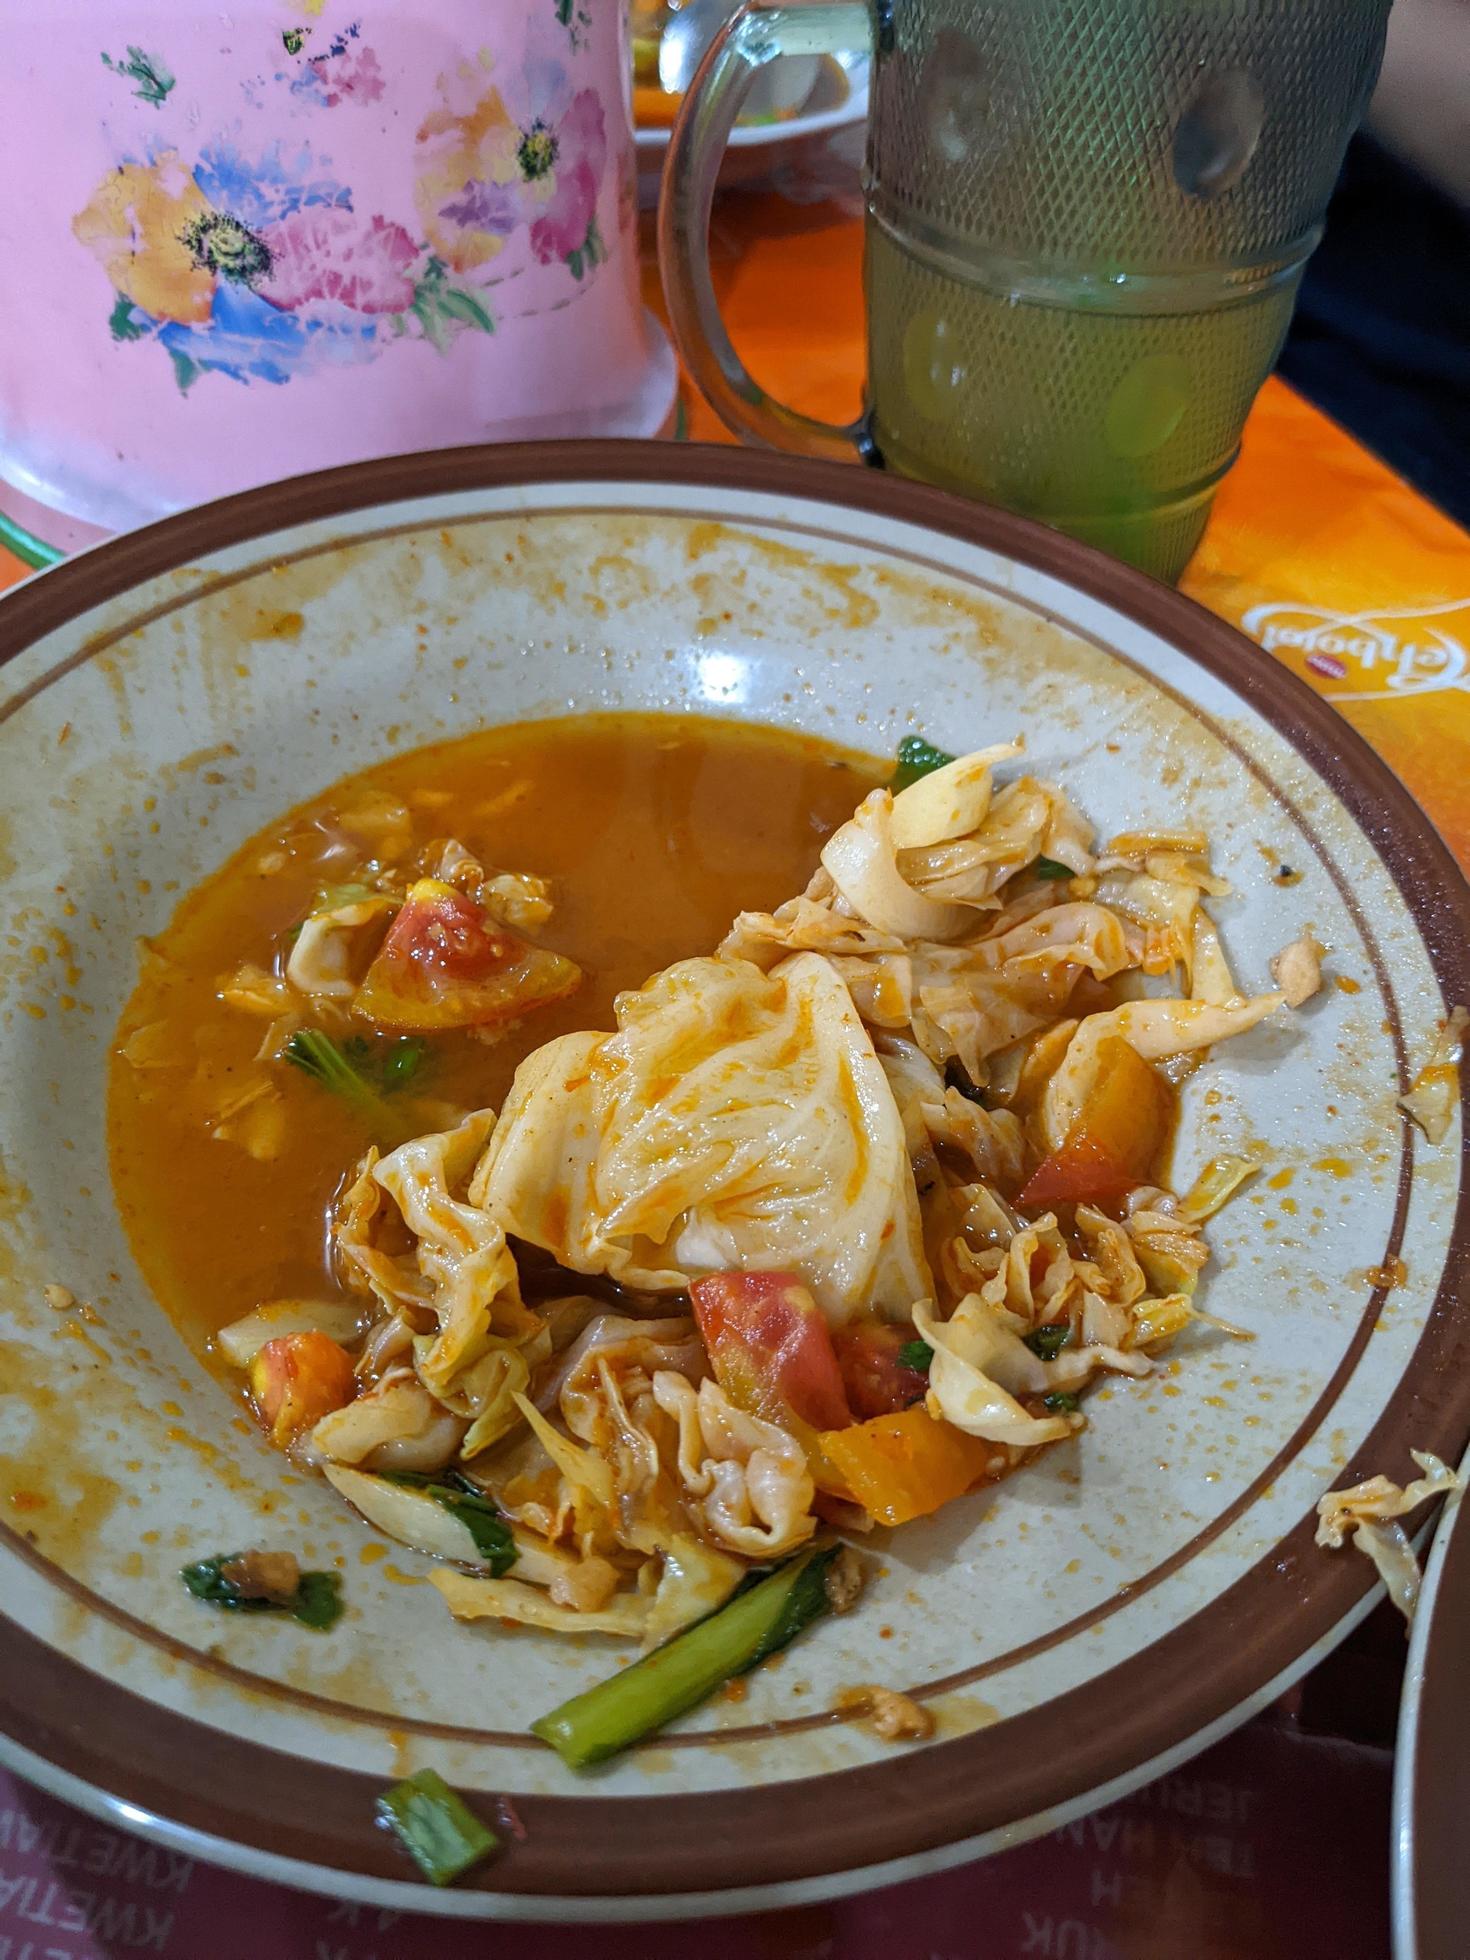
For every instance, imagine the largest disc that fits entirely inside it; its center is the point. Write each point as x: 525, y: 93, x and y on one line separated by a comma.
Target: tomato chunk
x: 1115, y: 1138
x: 905, y: 1465
x: 876, y: 1380
x: 769, y: 1347
x: 445, y: 964
x: 296, y: 1379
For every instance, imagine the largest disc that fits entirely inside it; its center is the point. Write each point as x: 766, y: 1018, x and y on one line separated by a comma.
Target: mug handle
x: 758, y: 33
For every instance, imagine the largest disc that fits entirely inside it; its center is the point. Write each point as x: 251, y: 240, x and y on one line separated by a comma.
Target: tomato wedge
x: 296, y: 1379
x: 1115, y: 1138
x: 769, y: 1347
x: 444, y: 964
x: 876, y: 1380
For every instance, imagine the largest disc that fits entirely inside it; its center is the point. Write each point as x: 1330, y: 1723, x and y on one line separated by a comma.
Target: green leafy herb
x: 916, y: 758
x: 386, y: 1064
x: 916, y: 1355
x: 756, y: 1623
x: 318, y: 1056
x: 358, y: 1072
x: 316, y: 1602
x: 1060, y: 1401
x: 401, y: 1063
x: 436, y: 1827
x: 1048, y: 1342
x: 464, y: 1500
x: 1044, y: 867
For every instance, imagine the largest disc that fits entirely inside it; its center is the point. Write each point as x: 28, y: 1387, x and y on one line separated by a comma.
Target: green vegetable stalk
x: 676, y: 1677
x: 436, y: 1827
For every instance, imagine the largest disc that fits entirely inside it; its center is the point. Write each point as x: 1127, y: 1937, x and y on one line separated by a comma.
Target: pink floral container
x: 242, y: 243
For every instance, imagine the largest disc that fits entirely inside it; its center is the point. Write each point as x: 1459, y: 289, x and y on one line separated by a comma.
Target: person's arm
x: 1421, y: 108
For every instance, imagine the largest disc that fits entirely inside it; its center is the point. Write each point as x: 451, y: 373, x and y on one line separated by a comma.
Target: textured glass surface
x: 1088, y: 223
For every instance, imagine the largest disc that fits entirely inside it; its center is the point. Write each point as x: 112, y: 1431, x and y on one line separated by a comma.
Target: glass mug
x: 1086, y: 224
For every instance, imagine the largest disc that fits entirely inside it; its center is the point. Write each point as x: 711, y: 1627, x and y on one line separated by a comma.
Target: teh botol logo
x: 1398, y: 651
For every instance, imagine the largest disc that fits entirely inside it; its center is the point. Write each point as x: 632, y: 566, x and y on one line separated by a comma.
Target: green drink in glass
x: 1087, y: 221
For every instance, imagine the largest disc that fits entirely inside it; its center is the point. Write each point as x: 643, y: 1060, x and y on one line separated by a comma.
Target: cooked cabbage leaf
x: 737, y: 1119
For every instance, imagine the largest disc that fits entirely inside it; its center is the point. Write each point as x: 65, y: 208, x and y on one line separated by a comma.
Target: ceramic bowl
x: 1075, y: 1631
x: 788, y: 152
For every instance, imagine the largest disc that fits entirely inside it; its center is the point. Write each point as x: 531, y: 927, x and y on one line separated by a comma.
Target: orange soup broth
x: 654, y: 830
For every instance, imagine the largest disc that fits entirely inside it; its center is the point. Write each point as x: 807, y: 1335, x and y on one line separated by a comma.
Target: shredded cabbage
x: 1216, y: 1184
x: 971, y: 1351
x: 1156, y: 1029
x: 243, y: 1339
x: 861, y: 858
x: 625, y: 1614
x: 1435, y: 1092
x: 460, y: 1249
x: 737, y: 1120
x: 582, y: 1468
x: 1297, y: 970
x: 396, y: 1425
x: 1368, y: 1513
x: 949, y: 802
x: 334, y: 946
x: 746, y: 1480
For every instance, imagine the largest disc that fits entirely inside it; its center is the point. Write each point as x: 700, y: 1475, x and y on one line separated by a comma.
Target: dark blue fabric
x: 1381, y: 338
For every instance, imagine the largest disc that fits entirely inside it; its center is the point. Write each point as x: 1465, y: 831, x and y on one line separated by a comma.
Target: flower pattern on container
x: 342, y: 71
x: 467, y: 187
x: 332, y: 256
x: 261, y: 269
x: 562, y: 164
x: 154, y: 82
x: 495, y: 154
x: 137, y: 225
x: 260, y: 266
